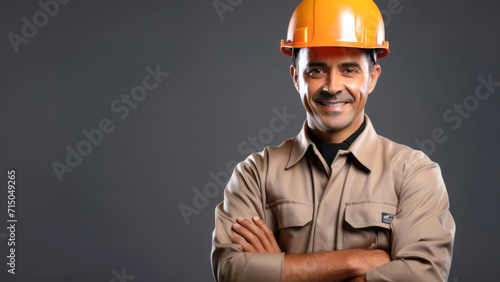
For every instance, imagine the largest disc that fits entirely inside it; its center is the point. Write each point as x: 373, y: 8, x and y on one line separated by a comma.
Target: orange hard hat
x: 336, y: 23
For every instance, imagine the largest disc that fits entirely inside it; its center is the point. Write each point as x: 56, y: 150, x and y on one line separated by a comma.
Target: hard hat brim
x: 287, y: 48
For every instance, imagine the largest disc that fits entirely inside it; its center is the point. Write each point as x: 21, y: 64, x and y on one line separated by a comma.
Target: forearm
x: 333, y: 265
x: 326, y: 266
x: 255, y: 238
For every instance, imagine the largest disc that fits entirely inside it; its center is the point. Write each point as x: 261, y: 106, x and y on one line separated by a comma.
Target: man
x: 337, y: 202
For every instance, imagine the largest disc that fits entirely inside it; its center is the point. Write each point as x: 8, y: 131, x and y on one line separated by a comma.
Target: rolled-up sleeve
x: 423, y: 230
x: 243, y: 197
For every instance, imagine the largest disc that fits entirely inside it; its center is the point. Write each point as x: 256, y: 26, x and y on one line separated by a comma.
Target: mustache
x: 324, y: 96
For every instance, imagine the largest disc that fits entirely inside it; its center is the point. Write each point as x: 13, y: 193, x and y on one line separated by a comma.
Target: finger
x: 249, y: 236
x: 257, y: 232
x: 244, y: 244
x: 274, y: 247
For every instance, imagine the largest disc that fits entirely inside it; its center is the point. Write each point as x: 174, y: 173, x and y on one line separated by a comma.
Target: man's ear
x: 377, y: 70
x: 295, y: 76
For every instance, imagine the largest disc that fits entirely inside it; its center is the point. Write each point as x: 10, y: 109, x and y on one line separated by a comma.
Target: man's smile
x: 333, y: 105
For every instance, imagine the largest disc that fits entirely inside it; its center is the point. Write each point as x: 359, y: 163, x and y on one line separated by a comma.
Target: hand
x: 256, y: 237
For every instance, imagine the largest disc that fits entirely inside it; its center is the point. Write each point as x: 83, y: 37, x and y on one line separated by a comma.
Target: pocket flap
x: 367, y: 214
x: 290, y: 214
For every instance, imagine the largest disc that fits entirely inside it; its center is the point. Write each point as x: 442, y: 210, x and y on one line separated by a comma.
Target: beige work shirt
x: 376, y: 195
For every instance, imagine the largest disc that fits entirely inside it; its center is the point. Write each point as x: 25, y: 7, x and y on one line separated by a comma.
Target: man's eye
x: 316, y: 72
x: 350, y: 70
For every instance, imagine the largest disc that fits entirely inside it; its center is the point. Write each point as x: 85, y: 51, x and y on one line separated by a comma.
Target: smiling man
x: 337, y: 202
x: 334, y: 83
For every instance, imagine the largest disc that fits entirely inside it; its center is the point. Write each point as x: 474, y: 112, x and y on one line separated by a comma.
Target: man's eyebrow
x: 346, y: 64
x: 316, y: 64
x: 351, y: 64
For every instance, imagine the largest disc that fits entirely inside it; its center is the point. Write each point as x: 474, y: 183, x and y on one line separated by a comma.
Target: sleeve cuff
x: 256, y: 267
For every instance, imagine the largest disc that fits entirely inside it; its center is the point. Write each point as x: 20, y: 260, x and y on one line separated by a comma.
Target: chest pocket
x: 291, y: 221
x: 367, y: 225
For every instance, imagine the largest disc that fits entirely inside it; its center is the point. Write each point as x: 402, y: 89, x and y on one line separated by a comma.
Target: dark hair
x: 295, y: 54
x: 371, y: 56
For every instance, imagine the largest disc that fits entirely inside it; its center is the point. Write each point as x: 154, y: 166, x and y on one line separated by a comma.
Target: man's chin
x: 335, y: 125
x: 330, y: 124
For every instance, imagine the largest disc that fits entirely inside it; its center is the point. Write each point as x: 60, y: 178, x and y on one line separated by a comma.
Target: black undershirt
x: 330, y: 150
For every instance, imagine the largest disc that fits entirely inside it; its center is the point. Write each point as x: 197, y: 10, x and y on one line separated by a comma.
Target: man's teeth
x: 333, y: 105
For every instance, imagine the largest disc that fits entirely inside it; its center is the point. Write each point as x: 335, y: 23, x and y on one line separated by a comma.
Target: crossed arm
x: 343, y: 265
x: 422, y: 235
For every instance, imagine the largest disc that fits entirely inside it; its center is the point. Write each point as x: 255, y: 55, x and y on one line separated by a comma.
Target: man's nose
x: 334, y: 83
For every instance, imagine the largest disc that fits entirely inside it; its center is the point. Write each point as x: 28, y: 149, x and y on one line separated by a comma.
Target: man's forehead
x: 321, y: 54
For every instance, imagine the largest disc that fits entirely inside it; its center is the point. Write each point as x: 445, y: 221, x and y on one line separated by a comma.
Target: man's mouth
x: 339, y: 104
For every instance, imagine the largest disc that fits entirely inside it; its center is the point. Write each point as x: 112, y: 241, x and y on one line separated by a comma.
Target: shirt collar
x: 362, y: 148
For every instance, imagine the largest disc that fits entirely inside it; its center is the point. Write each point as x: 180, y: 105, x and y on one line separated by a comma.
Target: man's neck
x: 330, y: 150
x: 336, y: 136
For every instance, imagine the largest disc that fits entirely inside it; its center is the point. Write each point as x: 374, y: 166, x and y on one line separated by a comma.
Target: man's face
x: 334, y: 84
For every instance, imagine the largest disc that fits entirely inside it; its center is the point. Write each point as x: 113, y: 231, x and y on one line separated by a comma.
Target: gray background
x: 120, y: 207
